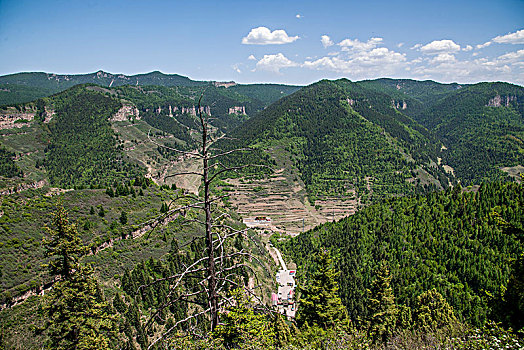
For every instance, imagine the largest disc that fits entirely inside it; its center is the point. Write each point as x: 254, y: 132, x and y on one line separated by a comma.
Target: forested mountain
x: 480, y: 125
x: 76, y: 128
x: 343, y: 138
x: 25, y: 87
x: 396, y: 151
x: 460, y: 242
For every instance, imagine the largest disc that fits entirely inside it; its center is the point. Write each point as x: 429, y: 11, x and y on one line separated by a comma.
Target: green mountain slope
x: 482, y: 126
x: 451, y: 241
x: 28, y: 86
x: 342, y: 138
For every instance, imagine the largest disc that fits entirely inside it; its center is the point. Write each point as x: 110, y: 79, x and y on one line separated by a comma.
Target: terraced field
x: 283, y: 198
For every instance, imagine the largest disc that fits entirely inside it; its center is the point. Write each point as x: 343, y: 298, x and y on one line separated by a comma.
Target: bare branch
x: 171, y: 148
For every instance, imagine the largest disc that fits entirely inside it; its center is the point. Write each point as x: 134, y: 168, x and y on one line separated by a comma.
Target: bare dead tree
x: 220, y: 266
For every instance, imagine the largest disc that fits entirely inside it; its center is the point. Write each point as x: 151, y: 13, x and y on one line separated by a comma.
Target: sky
x: 291, y: 42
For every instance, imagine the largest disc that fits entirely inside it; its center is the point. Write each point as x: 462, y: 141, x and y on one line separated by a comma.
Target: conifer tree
x: 319, y: 303
x: 433, y: 311
x: 123, y: 217
x: 514, y: 296
x: 77, y: 315
x: 382, y: 309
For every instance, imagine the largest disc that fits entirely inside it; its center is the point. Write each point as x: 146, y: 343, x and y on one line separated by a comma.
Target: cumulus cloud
x: 445, y: 67
x: 516, y: 57
x: 373, y: 62
x: 252, y: 58
x: 467, y: 48
x: 510, y: 38
x: 440, y: 46
x: 273, y: 63
x: 355, y: 44
x: 264, y: 36
x: 486, y: 44
x: 443, y: 57
x: 326, y: 41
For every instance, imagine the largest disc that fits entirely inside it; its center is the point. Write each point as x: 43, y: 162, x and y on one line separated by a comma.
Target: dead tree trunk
x: 221, y: 262
x: 211, y: 271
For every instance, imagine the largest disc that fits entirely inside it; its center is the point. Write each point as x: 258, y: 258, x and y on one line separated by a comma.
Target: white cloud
x: 486, y: 44
x: 446, y: 68
x: 326, y: 41
x: 236, y: 68
x: 273, y: 63
x: 298, y: 15
x: 511, y: 38
x: 416, y: 46
x: 363, y: 63
x: 264, y: 36
x: 440, y: 46
x: 517, y: 57
x: 399, y: 45
x: 443, y: 57
x: 467, y: 48
x: 350, y: 44
x: 252, y: 58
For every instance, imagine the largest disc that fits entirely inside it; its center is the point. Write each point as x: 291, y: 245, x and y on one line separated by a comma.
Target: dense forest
x: 339, y: 143
x: 460, y: 242
x: 82, y: 149
x: 93, y: 237
x: 8, y: 167
x: 480, y: 125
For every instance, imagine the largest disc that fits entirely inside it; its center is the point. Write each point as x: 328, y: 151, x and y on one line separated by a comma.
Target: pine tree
x: 514, y: 296
x: 382, y: 309
x: 240, y: 324
x: 77, y: 315
x: 433, y: 311
x: 123, y: 217
x: 319, y: 303
x: 63, y: 245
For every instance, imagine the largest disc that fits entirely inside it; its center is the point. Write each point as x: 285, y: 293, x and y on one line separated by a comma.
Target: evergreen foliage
x: 320, y: 305
x: 82, y: 149
x: 383, y: 311
x: 240, y: 323
x: 451, y: 241
x: 433, y: 311
x: 77, y: 315
x: 8, y: 167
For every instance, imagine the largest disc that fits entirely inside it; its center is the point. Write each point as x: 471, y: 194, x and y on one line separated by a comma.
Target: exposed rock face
x: 237, y: 110
x: 225, y: 84
x: 9, y: 120
x: 49, y: 113
x: 399, y: 104
x: 501, y: 101
x: 193, y: 110
x: 124, y: 113
x: 23, y: 187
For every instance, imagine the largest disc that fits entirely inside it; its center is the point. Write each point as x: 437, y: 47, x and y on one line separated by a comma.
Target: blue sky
x: 294, y: 42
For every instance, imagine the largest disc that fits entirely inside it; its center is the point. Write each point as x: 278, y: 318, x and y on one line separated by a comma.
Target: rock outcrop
x: 501, y: 101
x: 237, y: 110
x: 124, y: 113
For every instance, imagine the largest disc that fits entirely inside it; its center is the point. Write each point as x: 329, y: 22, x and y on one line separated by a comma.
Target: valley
x: 383, y: 171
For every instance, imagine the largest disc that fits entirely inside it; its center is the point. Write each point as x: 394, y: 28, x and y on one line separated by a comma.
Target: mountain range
x: 394, y: 152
